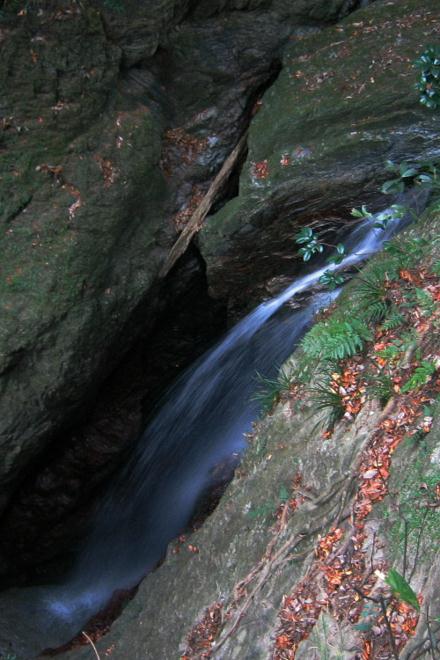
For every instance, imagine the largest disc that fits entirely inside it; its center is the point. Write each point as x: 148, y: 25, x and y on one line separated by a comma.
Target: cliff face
x: 115, y: 116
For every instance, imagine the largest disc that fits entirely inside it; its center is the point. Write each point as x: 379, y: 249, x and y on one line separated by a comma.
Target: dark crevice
x: 50, y: 510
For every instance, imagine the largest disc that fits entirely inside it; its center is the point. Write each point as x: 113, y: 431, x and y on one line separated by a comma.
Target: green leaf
x: 331, y: 280
x: 363, y: 212
x: 390, y: 166
x: 393, y: 186
x: 304, y: 235
x: 424, y: 179
x: 401, y: 589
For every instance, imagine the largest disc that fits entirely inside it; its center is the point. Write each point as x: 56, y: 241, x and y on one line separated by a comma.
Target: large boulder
x: 115, y: 117
x: 343, y: 104
x: 81, y: 194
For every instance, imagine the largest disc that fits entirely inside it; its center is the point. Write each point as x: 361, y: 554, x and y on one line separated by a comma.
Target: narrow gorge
x: 189, y: 471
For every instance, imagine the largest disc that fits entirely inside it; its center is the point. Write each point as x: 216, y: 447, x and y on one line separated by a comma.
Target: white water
x: 201, y: 421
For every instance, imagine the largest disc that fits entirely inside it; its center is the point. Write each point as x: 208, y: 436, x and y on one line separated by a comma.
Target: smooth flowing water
x: 200, y: 422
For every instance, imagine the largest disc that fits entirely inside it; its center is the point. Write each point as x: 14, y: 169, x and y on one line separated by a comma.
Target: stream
x: 199, y: 423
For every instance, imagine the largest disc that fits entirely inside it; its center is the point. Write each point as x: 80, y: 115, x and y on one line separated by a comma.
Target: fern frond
x: 336, y: 339
x: 394, y: 320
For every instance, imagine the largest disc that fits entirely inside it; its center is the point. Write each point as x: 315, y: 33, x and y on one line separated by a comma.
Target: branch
x: 195, y: 223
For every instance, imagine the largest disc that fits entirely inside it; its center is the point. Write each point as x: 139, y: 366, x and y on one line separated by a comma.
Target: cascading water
x: 201, y: 421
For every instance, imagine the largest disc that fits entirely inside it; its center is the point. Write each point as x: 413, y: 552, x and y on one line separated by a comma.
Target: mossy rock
x: 343, y: 104
x: 81, y: 214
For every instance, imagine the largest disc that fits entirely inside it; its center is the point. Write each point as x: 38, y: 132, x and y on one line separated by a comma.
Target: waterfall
x: 200, y: 422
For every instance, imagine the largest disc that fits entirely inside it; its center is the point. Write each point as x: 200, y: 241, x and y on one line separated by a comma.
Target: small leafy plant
x: 424, y: 174
x: 428, y: 85
x: 310, y: 243
x: 325, y: 397
x: 372, y: 293
x: 394, y: 319
x: 398, y: 347
x: 331, y: 279
x: 405, y: 254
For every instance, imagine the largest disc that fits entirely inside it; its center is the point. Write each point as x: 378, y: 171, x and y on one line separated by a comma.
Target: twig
x: 388, y: 624
x: 381, y: 601
x: 420, y: 649
x: 90, y: 641
x: 430, y: 635
x: 264, y: 574
x: 277, y: 559
x: 373, y: 550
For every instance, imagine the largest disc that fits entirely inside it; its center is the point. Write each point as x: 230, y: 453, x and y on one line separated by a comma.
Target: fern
x: 425, y: 301
x: 381, y: 386
x: 336, y: 339
x: 399, y: 346
x: 420, y: 376
x: 371, y: 294
x: 394, y: 320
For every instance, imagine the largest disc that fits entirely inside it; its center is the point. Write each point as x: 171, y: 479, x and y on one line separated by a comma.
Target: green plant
x: 394, y: 319
x: 401, y: 589
x: 425, y: 301
x: 420, y: 376
x: 420, y: 174
x: 331, y: 279
x: 405, y: 254
x: 399, y: 346
x: 310, y: 242
x: 336, y: 338
x: 428, y: 85
x: 381, y: 386
x: 338, y: 256
x: 270, y: 389
x: 362, y: 214
x: 405, y: 175
x: 371, y: 293
x: 325, y: 397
